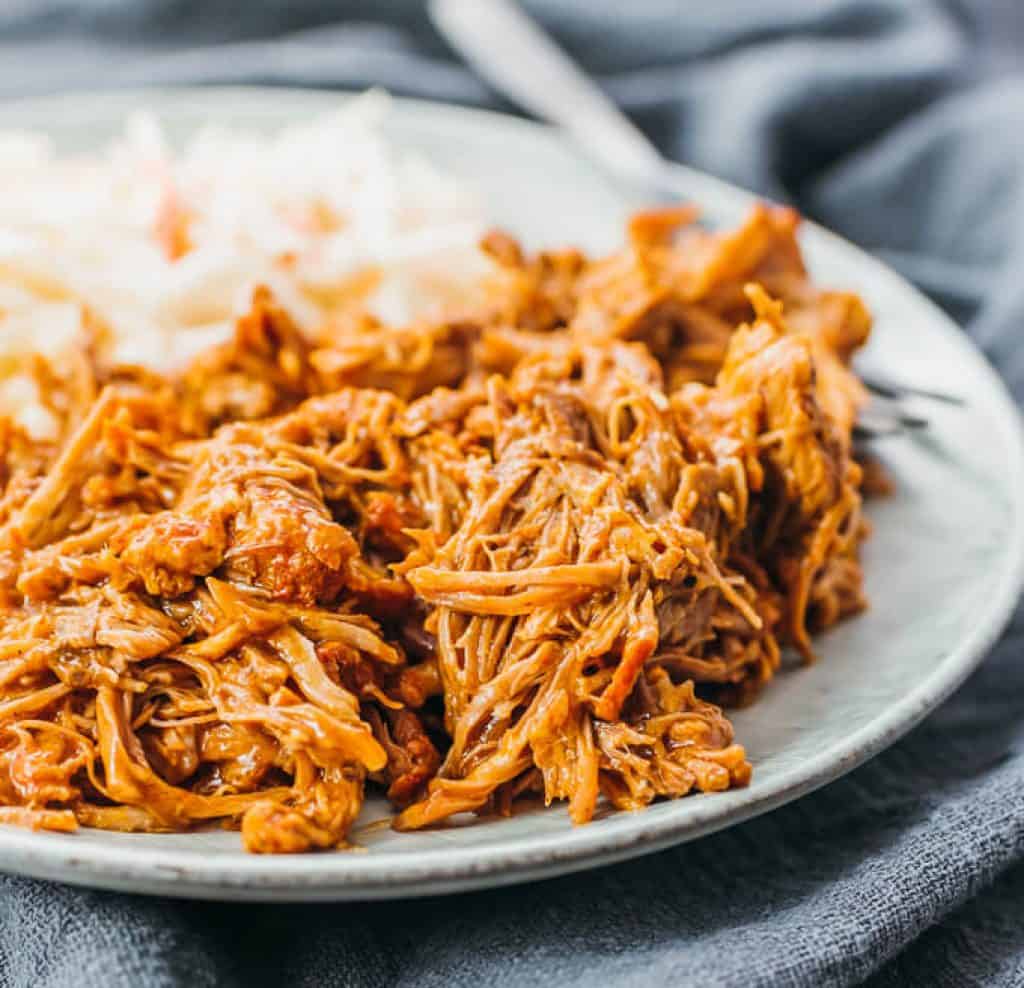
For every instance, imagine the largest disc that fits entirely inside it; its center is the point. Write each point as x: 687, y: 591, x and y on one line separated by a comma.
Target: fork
x: 512, y: 52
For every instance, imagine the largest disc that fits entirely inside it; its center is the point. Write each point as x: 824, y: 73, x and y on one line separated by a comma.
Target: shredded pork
x: 531, y: 547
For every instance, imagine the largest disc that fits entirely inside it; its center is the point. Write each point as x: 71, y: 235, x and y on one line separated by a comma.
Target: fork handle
x: 520, y: 60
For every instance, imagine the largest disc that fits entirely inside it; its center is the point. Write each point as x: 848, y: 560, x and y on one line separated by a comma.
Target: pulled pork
x: 529, y: 548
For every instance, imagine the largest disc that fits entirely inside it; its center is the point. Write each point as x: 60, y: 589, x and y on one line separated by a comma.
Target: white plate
x: 944, y: 567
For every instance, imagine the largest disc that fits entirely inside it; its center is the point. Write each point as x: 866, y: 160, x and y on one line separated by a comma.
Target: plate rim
x: 385, y: 874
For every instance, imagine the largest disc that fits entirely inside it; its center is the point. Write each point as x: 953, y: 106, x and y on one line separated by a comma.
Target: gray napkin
x: 899, y: 124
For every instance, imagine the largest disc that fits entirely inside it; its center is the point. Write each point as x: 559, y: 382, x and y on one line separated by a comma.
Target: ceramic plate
x: 943, y: 569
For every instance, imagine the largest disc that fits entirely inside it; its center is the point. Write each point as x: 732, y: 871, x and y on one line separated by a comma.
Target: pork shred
x: 530, y: 548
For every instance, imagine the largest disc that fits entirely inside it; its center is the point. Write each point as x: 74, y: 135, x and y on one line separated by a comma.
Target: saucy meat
x: 532, y: 547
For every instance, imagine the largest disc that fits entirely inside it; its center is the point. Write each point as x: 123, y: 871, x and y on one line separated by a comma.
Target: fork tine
x: 886, y: 388
x: 865, y: 433
x: 886, y: 409
x: 878, y: 429
x: 874, y: 422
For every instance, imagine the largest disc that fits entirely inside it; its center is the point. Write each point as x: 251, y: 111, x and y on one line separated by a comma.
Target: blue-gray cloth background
x: 900, y: 124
